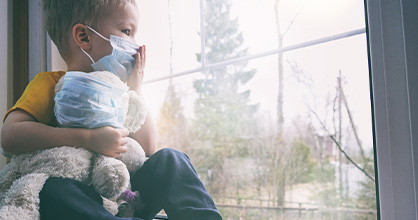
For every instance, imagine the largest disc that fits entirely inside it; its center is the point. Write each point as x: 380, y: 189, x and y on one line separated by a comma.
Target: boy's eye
x: 127, y: 32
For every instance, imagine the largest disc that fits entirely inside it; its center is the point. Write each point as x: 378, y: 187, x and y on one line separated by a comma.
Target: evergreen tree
x: 223, y: 113
x: 172, y: 124
x: 300, y: 163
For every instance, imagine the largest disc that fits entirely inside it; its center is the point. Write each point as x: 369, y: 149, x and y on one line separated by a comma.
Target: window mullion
x: 259, y: 55
x: 202, y: 34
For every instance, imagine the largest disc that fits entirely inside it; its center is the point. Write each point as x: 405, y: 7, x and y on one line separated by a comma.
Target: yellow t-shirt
x: 38, y: 97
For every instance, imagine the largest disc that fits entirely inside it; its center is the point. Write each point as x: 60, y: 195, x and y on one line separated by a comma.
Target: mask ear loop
x: 104, y: 38
x: 87, y: 55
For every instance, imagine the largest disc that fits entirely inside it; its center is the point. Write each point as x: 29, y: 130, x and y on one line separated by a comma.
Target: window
x: 392, y: 64
x: 277, y: 122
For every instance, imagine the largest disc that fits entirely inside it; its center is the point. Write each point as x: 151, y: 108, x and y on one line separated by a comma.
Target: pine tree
x: 172, y: 123
x: 223, y: 113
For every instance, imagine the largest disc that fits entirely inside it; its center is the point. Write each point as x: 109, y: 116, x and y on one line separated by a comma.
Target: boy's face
x: 120, y: 21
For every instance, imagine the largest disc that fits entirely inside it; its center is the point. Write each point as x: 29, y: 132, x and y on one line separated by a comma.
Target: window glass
x: 170, y: 30
x: 57, y: 63
x: 234, y: 144
x: 264, y: 28
x: 280, y: 135
x: 273, y: 135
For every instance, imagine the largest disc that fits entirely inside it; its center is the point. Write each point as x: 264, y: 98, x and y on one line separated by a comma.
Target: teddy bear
x: 22, y: 179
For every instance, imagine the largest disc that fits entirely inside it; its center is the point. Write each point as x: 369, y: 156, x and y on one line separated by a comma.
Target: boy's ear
x: 81, y: 36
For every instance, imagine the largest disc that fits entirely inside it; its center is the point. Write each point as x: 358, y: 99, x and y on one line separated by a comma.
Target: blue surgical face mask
x: 85, y: 101
x: 121, y: 61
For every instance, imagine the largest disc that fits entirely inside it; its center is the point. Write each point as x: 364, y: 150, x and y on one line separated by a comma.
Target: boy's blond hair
x: 62, y: 15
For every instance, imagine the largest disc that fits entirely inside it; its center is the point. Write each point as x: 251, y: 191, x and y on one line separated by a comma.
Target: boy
x: 166, y: 181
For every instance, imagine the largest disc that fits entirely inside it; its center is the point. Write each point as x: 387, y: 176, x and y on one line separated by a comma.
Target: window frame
x: 392, y: 58
x: 392, y: 33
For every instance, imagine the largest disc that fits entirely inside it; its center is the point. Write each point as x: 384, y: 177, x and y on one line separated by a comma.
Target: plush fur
x: 23, y: 178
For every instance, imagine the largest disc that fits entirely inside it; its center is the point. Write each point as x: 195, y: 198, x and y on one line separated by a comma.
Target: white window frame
x: 393, y: 53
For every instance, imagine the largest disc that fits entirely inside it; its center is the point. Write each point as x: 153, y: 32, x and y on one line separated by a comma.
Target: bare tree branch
x: 339, y: 146
x: 293, y: 20
x: 353, y: 125
x: 334, y: 109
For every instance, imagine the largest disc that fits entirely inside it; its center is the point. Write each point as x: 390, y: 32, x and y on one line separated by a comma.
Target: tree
x: 340, y: 193
x: 172, y: 124
x: 223, y: 113
x: 280, y: 159
x: 300, y: 162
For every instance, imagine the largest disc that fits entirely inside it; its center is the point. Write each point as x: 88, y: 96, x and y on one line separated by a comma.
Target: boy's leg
x: 70, y: 199
x: 168, y: 181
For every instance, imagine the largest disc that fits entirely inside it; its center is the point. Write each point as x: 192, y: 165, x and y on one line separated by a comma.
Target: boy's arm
x: 147, y: 136
x: 22, y: 133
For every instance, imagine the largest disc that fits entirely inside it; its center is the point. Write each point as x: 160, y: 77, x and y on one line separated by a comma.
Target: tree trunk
x: 280, y: 119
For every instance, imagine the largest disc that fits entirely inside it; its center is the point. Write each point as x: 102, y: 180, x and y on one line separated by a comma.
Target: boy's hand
x: 108, y: 141
x: 137, y: 75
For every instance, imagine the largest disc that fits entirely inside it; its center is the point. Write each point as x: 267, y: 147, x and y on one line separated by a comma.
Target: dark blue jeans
x: 166, y: 181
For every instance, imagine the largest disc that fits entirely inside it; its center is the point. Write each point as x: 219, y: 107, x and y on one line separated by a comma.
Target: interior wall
x: 6, y: 83
x: 40, y: 51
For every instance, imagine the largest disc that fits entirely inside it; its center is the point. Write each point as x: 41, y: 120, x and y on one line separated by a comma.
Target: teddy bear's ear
x: 59, y: 85
x: 136, y: 113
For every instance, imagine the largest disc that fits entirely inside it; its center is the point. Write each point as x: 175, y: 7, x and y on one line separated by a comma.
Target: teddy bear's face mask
x: 121, y: 61
x: 87, y: 102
